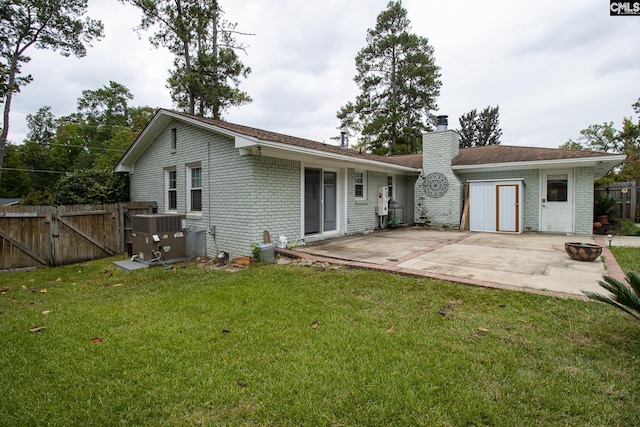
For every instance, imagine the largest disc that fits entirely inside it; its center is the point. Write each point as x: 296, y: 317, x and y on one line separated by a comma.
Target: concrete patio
x: 530, y: 262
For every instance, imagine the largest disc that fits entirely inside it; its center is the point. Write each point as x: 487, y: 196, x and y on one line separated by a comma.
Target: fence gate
x: 25, y: 240
x: 39, y: 236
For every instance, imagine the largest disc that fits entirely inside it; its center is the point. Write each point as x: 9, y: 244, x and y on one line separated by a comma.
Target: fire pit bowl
x: 582, y: 251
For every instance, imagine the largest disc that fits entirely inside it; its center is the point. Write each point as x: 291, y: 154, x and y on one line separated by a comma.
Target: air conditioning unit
x: 159, y: 238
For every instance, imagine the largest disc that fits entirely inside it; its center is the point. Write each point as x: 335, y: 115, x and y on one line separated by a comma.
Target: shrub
x: 91, y: 186
x: 623, y: 297
x: 628, y: 228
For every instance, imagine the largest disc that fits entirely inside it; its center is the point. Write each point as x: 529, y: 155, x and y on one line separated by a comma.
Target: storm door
x: 320, y: 201
x: 556, y: 213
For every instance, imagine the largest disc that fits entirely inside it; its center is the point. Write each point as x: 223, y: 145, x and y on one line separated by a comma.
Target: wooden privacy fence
x: 628, y: 196
x: 40, y: 236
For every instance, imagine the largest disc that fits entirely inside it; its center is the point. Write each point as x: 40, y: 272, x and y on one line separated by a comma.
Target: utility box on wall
x: 159, y: 238
x: 383, y: 201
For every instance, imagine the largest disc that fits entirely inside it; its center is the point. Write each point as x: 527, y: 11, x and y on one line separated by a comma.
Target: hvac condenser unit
x: 159, y: 238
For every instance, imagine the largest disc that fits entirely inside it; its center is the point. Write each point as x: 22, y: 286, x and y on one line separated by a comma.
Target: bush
x: 628, y: 228
x: 604, y: 205
x: 91, y: 186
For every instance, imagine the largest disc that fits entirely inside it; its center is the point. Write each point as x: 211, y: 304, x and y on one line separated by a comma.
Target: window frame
x: 362, y: 185
x: 169, y: 190
x: 191, y: 188
x: 391, y: 184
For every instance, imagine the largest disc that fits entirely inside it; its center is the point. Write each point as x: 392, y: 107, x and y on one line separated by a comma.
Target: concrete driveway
x: 531, y: 262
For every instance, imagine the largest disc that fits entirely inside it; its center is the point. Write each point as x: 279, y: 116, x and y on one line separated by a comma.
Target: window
x: 172, y: 189
x: 390, y: 185
x: 174, y: 140
x: 360, y: 185
x: 557, y: 186
x: 194, y: 180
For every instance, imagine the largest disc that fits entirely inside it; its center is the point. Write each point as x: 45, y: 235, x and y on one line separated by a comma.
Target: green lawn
x: 291, y: 345
x: 628, y: 258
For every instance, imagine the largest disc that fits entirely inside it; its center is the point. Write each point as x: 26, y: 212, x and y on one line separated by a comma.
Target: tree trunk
x: 394, y: 98
x: 7, y: 108
x: 214, y: 46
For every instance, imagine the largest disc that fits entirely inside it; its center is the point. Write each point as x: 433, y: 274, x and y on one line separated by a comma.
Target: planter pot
x: 603, y: 219
x: 582, y: 251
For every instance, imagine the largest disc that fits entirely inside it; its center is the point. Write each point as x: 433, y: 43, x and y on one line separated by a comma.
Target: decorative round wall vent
x: 436, y: 185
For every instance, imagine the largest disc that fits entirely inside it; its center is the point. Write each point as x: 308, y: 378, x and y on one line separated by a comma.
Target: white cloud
x: 553, y: 67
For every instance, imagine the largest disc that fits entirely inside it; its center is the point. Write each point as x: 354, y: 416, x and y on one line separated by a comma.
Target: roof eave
x: 301, y: 153
x: 608, y: 162
x: 241, y: 141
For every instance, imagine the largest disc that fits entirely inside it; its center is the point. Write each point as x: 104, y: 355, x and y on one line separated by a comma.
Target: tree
x: 601, y: 138
x: 478, y: 130
x: 36, y: 153
x: 43, y: 24
x: 207, y: 69
x: 606, y: 138
x: 399, y: 83
x: 15, y: 180
x: 42, y: 126
x: 571, y: 145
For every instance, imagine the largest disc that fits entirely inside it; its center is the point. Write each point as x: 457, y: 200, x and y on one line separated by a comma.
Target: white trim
x: 495, y: 180
x: 167, y: 171
x: 599, y: 163
x: 341, y: 201
x: 393, y: 186
x: 190, y: 168
x: 364, y: 184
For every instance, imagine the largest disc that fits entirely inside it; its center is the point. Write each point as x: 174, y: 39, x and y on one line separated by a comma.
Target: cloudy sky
x: 553, y: 67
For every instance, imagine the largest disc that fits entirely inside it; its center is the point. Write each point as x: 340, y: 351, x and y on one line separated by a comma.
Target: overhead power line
x: 32, y: 170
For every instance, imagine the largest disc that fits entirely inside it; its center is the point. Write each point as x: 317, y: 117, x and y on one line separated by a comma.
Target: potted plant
x: 603, y: 207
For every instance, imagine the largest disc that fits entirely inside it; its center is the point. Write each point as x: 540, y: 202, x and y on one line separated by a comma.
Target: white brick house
x: 234, y: 182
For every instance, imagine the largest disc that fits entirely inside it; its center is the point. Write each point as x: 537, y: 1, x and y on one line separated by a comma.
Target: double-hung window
x: 171, y: 184
x: 390, y: 179
x: 360, y: 189
x: 194, y: 192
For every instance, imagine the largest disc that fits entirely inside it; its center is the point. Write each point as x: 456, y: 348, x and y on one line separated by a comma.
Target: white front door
x: 556, y: 210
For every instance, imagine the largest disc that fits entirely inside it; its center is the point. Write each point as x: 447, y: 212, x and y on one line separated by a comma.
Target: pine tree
x: 207, y: 71
x: 478, y: 130
x: 399, y: 83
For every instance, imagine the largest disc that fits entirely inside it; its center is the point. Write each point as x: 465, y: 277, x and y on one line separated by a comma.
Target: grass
x: 291, y: 345
x: 628, y: 258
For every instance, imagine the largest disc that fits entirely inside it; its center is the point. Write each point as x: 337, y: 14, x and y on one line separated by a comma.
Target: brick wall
x: 245, y: 195
x: 584, y: 200
x: 439, y: 148
x: 242, y: 195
